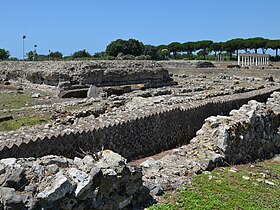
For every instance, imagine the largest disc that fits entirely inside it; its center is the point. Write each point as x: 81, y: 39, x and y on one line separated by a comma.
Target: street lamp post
x: 23, y: 53
x: 35, y: 52
x: 49, y: 54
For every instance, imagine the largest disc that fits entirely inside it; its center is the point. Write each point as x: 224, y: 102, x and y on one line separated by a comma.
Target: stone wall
x: 132, y: 134
x: 98, y: 73
x: 248, y: 134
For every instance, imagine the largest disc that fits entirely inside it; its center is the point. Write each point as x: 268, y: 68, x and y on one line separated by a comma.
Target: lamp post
x: 35, y: 52
x: 23, y: 53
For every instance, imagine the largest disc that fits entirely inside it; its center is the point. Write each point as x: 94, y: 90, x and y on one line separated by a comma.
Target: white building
x: 253, y: 59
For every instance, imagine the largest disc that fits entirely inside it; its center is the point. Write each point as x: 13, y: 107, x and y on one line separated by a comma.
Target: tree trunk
x: 189, y: 54
x: 256, y: 51
x: 204, y: 54
x: 276, y: 52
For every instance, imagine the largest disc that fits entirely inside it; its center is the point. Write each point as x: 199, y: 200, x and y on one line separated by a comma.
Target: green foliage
x: 274, y: 45
x: 32, y: 56
x: 256, y: 43
x: 217, y: 47
x: 224, y: 189
x: 189, y: 47
x: 129, y: 47
x: 163, y: 54
x: 81, y: 54
x: 56, y: 55
x: 13, y: 59
x: 234, y: 45
x: 143, y: 57
x: 175, y: 50
x: 4, y: 54
x: 175, y: 47
x: 128, y: 57
x: 151, y: 51
x: 204, y: 45
x: 116, y: 47
x: 99, y: 55
x: 135, y: 47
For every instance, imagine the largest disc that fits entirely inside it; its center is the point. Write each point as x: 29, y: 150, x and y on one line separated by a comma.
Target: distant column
x: 267, y: 60
x: 238, y: 60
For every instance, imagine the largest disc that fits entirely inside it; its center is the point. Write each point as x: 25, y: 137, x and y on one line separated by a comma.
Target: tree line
x: 135, y: 49
x: 177, y: 50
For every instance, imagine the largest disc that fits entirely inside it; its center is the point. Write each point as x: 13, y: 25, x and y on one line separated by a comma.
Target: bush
x: 128, y: 57
x: 143, y: 57
x: 127, y: 47
x: 81, y: 54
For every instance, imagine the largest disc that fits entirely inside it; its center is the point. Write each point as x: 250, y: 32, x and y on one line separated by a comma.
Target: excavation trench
x: 205, y: 111
x: 139, y: 136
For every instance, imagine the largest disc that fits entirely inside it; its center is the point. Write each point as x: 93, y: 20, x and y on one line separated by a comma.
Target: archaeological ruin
x: 109, y: 119
x: 253, y: 59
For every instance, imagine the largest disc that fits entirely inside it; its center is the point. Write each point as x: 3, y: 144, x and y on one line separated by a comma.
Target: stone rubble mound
x: 99, y: 181
x: 98, y: 73
x: 205, y: 64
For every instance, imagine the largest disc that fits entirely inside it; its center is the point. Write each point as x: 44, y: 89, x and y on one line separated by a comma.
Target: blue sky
x: 69, y: 25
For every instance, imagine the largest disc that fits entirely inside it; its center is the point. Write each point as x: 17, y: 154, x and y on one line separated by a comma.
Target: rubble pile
x: 98, y: 181
x: 98, y: 73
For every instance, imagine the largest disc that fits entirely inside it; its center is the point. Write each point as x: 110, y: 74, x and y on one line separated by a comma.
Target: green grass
x: 13, y: 100
x: 22, y: 120
x: 223, y: 189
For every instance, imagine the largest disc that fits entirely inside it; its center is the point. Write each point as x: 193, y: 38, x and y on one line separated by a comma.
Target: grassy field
x: 252, y: 186
x: 12, y: 100
x: 22, y: 120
